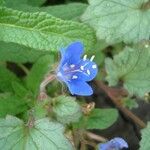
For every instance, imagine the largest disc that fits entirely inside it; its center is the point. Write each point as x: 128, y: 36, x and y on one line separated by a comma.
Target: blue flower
x: 76, y: 71
x: 114, y: 144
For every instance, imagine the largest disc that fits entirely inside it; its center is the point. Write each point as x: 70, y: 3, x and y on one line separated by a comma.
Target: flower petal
x: 121, y: 142
x: 72, y: 54
x: 78, y: 87
x: 114, y: 144
x: 89, y: 70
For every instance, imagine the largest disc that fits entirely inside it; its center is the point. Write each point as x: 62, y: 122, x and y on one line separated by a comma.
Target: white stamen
x: 82, y: 67
x: 92, y: 58
x: 84, y: 57
x: 94, y: 66
x: 74, y: 77
x: 88, y: 72
x: 72, y: 65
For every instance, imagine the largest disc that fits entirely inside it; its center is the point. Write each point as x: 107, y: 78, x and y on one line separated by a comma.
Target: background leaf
x: 6, y: 79
x: 44, y: 134
x: 66, y: 109
x: 131, y: 67
x: 19, y: 89
x: 118, y: 20
x: 20, y: 54
x: 71, y: 11
x: 38, y: 73
x: 10, y: 104
x: 42, y: 31
x: 36, y: 2
x: 98, y: 119
x: 144, y: 143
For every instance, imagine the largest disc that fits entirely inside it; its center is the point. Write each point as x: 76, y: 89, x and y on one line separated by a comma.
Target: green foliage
x: 71, y: 11
x: 2, y: 2
x: 119, y: 20
x: 42, y: 31
x: 98, y: 119
x: 44, y: 134
x: 6, y: 78
x: 19, y: 89
x: 66, y: 109
x: 131, y: 67
x: 38, y: 72
x: 15, y: 3
x: 130, y: 103
x: 144, y: 143
x: 36, y: 2
x: 19, y: 54
x: 11, y: 104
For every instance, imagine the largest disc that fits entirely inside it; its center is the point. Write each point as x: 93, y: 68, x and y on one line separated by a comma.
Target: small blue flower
x: 76, y: 71
x: 114, y: 144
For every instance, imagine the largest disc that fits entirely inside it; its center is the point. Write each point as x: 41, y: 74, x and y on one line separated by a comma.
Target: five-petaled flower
x: 76, y: 71
x: 114, y: 144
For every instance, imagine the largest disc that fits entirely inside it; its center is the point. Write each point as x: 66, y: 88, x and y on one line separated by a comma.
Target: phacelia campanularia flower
x: 114, y: 144
x: 76, y: 71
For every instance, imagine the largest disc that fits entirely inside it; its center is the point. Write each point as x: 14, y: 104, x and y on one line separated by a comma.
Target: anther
x: 92, y: 58
x: 72, y: 66
x: 74, y: 77
x: 88, y: 72
x: 82, y: 67
x: 84, y: 57
x: 94, y: 66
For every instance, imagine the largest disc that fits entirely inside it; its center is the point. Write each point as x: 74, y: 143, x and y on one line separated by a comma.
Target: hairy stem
x: 43, y: 85
x: 96, y: 137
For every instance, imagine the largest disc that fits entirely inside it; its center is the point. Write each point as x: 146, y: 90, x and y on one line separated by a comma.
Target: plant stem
x: 43, y: 85
x: 96, y: 137
x: 117, y: 101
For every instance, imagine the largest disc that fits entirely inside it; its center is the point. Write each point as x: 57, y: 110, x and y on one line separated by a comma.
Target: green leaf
x: 38, y: 73
x: 60, y: 11
x: 36, y: 2
x: 98, y: 119
x: 19, y: 89
x: 42, y: 31
x: 66, y: 109
x: 118, y: 20
x: 71, y: 11
x: 144, y: 143
x: 11, y: 104
x: 18, y: 53
x: 6, y: 78
x: 131, y: 67
x: 44, y: 135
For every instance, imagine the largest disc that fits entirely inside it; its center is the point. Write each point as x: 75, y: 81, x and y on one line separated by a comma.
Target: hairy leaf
x: 19, y: 54
x: 66, y: 109
x: 144, y: 143
x: 44, y: 134
x: 42, y: 31
x: 119, y: 20
x: 98, y: 119
x: 38, y: 73
x: 131, y: 67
